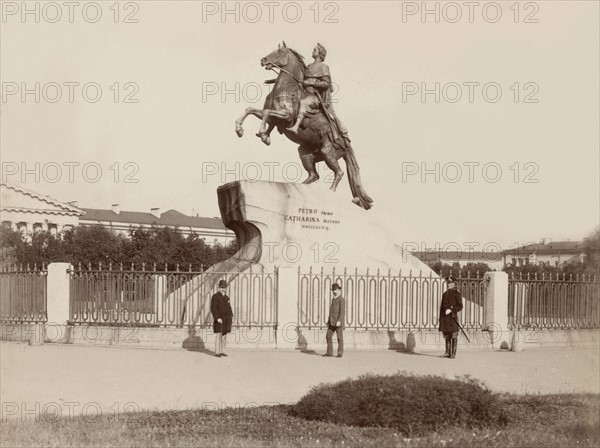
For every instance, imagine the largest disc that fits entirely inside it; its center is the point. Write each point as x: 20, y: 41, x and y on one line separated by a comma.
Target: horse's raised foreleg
x: 239, y: 130
x: 331, y: 159
x: 266, y: 114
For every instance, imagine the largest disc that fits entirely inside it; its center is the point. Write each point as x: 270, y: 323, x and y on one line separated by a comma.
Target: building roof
x: 168, y: 218
x: 452, y: 255
x: 40, y: 202
x: 553, y: 247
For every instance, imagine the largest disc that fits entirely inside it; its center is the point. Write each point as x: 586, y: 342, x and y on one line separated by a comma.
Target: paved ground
x: 37, y: 377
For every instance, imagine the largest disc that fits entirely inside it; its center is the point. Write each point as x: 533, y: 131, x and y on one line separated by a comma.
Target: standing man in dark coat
x: 451, y: 305
x: 336, y: 320
x: 222, y: 315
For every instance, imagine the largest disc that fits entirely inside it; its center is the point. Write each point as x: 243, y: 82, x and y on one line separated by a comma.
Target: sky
x: 469, y: 125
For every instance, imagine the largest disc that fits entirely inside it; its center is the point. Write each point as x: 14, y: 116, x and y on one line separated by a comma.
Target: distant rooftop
x: 435, y: 255
x: 564, y: 247
x: 168, y: 218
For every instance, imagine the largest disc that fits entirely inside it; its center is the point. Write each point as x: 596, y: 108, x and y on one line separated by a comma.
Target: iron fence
x: 473, y: 290
x: 170, y: 298
x: 547, y: 302
x: 24, y: 294
x: 386, y: 301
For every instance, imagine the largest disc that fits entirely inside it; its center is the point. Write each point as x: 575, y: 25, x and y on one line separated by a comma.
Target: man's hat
x: 450, y: 279
x: 335, y: 286
x: 222, y: 284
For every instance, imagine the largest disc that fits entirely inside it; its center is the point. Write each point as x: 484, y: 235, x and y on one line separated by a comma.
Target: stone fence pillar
x: 58, y: 302
x: 496, y: 313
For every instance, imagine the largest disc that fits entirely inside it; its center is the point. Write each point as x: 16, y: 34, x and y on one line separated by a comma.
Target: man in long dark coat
x: 220, y: 308
x: 451, y: 304
x: 336, y: 320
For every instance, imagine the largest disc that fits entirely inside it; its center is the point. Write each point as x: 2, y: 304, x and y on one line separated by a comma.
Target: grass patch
x: 528, y: 421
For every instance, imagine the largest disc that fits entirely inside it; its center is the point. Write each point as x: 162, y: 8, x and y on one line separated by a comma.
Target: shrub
x: 414, y: 405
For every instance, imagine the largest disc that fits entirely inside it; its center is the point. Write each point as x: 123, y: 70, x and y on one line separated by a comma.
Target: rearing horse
x: 315, y: 136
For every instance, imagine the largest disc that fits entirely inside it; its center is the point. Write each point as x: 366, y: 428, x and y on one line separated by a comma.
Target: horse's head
x: 277, y: 58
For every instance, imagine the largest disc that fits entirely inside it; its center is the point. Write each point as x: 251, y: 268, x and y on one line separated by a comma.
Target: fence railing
x: 23, y: 295
x: 473, y: 290
x: 170, y: 298
x: 376, y: 301
x: 547, y: 302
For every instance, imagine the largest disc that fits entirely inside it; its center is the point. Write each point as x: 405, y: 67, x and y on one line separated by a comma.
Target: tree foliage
x: 455, y: 269
x: 591, y: 250
x: 98, y: 244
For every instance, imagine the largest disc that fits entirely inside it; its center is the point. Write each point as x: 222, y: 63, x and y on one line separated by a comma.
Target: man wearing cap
x: 451, y: 305
x: 335, y: 323
x: 222, y: 315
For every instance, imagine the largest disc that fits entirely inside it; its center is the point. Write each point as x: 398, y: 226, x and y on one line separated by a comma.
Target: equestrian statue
x: 299, y: 105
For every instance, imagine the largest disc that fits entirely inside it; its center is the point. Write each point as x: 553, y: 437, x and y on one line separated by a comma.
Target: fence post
x: 58, y: 301
x: 496, y: 315
x: 287, y: 307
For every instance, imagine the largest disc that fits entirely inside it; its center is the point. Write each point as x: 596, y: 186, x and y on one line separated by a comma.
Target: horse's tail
x: 358, y: 192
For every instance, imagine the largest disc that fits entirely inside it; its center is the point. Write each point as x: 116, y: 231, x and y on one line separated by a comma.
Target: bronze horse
x: 314, y: 136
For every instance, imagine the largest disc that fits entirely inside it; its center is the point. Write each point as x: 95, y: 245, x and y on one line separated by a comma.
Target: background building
x: 210, y: 229
x: 29, y: 212
x: 552, y: 253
